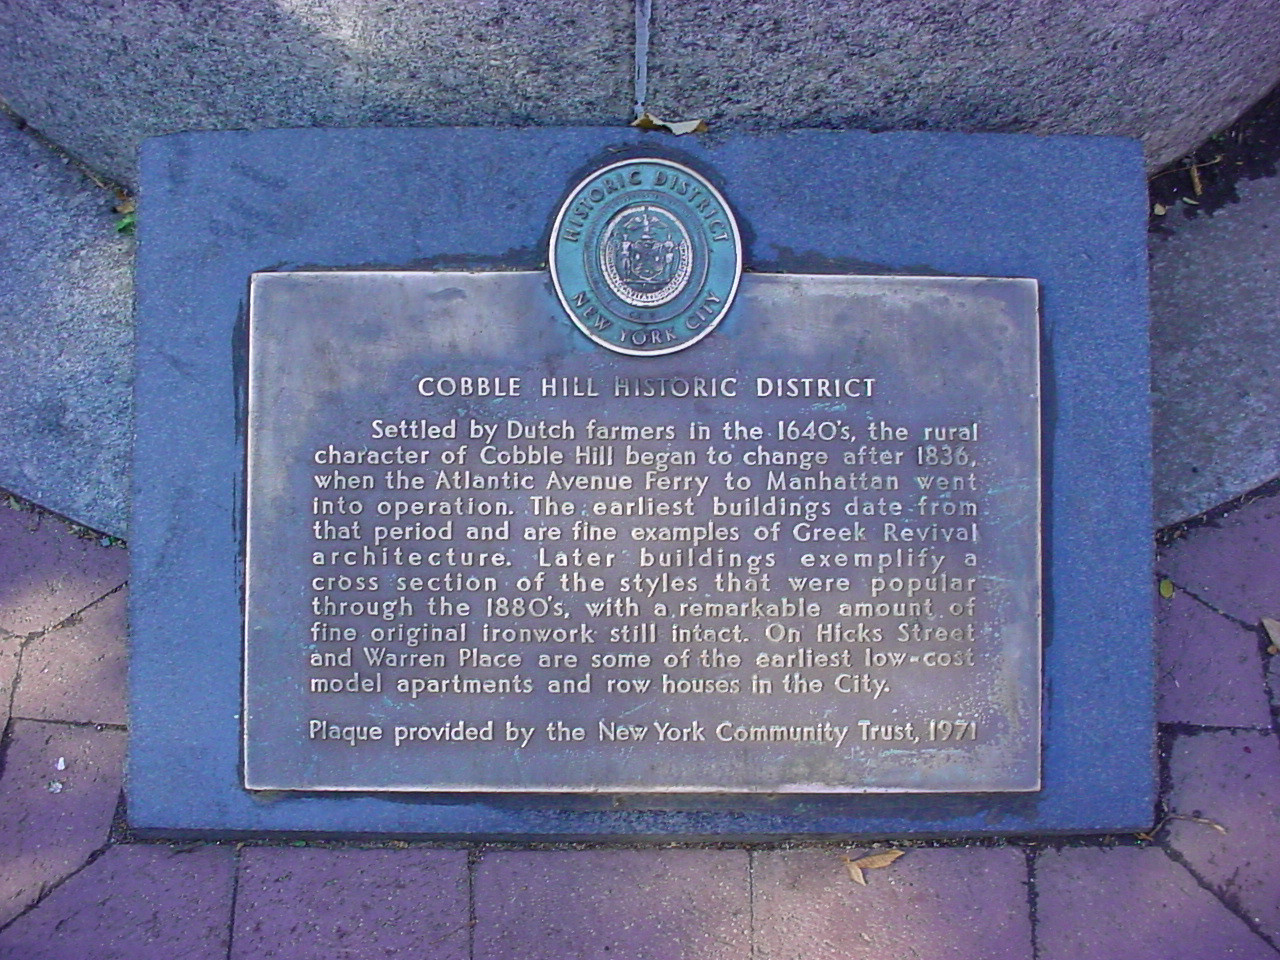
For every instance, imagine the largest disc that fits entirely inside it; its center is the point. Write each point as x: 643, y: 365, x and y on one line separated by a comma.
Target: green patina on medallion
x: 645, y: 256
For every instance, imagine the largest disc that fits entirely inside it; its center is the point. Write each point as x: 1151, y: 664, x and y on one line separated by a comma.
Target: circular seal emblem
x: 645, y: 257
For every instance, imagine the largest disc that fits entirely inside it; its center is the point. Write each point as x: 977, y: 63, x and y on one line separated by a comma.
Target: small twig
x: 1180, y: 816
x: 1191, y: 167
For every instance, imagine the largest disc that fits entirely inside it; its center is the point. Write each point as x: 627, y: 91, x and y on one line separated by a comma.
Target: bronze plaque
x: 485, y: 554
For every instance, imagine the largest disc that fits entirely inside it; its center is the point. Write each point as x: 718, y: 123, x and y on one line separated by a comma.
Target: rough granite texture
x: 1215, y: 307
x: 941, y: 904
x: 66, y: 333
x: 49, y: 572
x: 1135, y: 903
x: 611, y: 904
x: 1233, y: 779
x: 1167, y: 71
x: 78, y: 671
x: 1210, y: 672
x: 58, y: 793
x: 99, y: 77
x: 322, y: 904
x: 133, y: 903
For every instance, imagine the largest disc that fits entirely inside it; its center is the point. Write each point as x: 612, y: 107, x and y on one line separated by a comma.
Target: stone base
x: 221, y: 206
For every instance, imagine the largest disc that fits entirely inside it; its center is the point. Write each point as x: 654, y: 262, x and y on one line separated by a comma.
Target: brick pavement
x: 1206, y: 886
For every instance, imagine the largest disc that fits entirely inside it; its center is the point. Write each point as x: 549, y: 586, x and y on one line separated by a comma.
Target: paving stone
x: 133, y: 903
x: 1215, y: 307
x: 1099, y: 904
x: 962, y: 904
x: 1233, y: 564
x: 1233, y: 779
x: 8, y: 674
x: 99, y: 77
x: 78, y: 672
x: 66, y: 335
x: 1210, y: 668
x: 599, y: 904
x: 323, y: 904
x: 1167, y: 71
x: 49, y: 572
x: 1273, y: 682
x: 52, y: 819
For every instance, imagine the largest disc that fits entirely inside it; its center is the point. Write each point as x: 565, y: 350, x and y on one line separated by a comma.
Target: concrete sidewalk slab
x: 1232, y: 564
x: 1211, y: 670
x: 50, y: 572
x: 66, y: 335
x: 77, y: 672
x: 957, y: 904
x: 612, y: 904
x: 58, y: 793
x: 1094, y: 903
x: 133, y: 903
x: 320, y: 904
x: 1215, y: 307
x: 1231, y: 778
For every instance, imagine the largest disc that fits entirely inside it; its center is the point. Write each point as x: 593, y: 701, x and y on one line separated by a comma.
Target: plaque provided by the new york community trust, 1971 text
x: 641, y: 524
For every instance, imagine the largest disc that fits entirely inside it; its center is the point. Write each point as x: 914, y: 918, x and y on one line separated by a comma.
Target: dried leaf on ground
x: 1205, y: 820
x: 1273, y: 634
x: 647, y: 121
x: 1151, y: 834
x: 872, y: 861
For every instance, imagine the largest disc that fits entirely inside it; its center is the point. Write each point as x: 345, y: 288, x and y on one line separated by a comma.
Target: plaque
x: 791, y: 547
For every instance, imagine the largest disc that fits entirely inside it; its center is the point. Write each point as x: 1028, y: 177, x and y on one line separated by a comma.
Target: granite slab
x: 222, y: 206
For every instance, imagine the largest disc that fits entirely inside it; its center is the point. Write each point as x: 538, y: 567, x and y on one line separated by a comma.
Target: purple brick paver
x: 1233, y: 779
x: 1273, y: 681
x: 78, y: 672
x: 613, y: 905
x: 1211, y: 671
x: 49, y: 572
x: 1132, y: 903
x: 942, y: 904
x: 132, y: 903
x: 8, y: 674
x: 58, y: 791
x: 1233, y: 564
x: 342, y: 904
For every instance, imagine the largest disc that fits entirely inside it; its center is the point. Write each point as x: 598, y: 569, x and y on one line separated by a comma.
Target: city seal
x: 645, y: 257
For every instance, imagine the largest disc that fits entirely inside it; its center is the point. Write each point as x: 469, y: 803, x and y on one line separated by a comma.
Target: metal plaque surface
x: 486, y: 554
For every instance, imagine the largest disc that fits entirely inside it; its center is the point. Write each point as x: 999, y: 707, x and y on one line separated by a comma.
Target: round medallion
x: 645, y: 257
